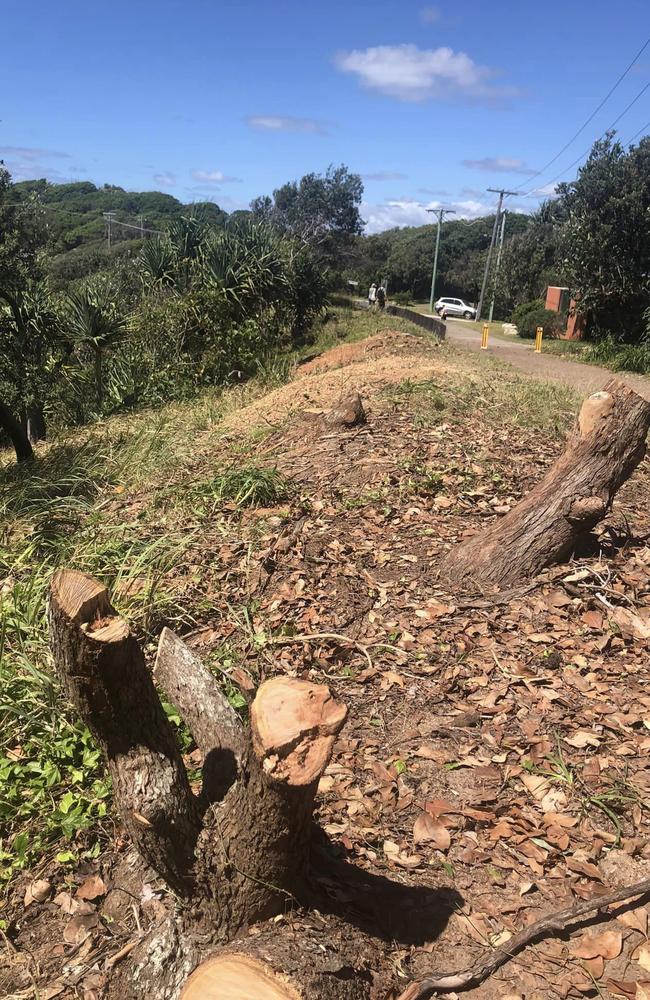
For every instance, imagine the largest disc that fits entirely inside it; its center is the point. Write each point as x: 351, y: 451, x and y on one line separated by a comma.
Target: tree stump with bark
x: 237, y: 853
x: 348, y: 412
x: 606, y: 446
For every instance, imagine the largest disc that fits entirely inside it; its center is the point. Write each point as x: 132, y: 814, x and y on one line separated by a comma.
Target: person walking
x: 372, y: 295
x: 380, y: 295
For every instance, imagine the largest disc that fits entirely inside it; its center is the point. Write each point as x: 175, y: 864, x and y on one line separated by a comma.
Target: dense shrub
x: 526, y: 307
x: 553, y: 323
x: 402, y: 298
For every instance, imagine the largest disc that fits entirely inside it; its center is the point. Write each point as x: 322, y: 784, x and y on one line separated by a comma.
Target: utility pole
x: 498, y: 265
x: 109, y: 219
x: 440, y: 212
x: 501, y: 192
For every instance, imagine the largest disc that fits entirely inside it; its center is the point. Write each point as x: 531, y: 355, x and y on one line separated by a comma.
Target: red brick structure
x: 559, y: 300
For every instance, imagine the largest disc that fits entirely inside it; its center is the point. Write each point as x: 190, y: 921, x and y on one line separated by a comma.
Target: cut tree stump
x: 270, y: 967
x: 103, y: 672
x: 245, y: 859
x: 606, y: 446
x: 348, y: 412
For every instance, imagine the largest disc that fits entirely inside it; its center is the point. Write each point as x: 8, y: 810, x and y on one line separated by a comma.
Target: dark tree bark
x: 103, y: 672
x: 253, y: 851
x: 605, y: 448
x: 16, y: 433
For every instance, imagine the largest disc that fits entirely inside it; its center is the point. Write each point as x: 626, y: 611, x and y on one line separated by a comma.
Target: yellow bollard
x: 539, y: 333
x: 484, y: 337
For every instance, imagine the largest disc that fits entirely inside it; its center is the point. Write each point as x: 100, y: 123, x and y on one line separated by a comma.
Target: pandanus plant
x: 93, y: 319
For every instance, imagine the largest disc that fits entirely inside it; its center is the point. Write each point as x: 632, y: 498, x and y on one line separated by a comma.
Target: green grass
x: 495, y: 394
x: 609, y: 353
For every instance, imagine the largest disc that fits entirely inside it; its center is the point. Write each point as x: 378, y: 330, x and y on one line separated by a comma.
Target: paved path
x: 519, y: 353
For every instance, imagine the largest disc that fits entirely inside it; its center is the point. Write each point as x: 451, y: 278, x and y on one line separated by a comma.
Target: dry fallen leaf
x: 594, y: 966
x: 37, y: 891
x: 642, y: 955
x: 631, y: 625
x: 636, y: 919
x: 79, y: 928
x: 92, y: 888
x: 428, y: 831
x: 536, y: 785
x: 606, y: 945
x: 582, y: 739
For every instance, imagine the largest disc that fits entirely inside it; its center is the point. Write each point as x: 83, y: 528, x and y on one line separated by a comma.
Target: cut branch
x: 607, y: 444
x: 104, y: 674
x: 552, y: 923
x: 208, y: 714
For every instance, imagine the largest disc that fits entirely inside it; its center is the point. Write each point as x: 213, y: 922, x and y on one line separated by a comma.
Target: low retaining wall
x: 425, y: 320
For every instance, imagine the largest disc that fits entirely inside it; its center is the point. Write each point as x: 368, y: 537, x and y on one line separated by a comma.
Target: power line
x: 644, y: 128
x: 593, y: 114
x: 141, y: 229
x: 530, y: 194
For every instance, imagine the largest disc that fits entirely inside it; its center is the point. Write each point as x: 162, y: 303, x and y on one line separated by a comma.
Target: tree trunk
x: 35, y: 420
x: 103, y: 672
x: 16, y: 434
x: 606, y: 446
x: 247, y: 859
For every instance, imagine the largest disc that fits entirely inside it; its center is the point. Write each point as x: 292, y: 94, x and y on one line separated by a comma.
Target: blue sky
x: 431, y: 103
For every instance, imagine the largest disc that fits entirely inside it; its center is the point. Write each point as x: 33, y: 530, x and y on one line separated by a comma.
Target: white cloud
x: 165, y: 179
x: 412, y: 74
x: 32, y: 154
x: 211, y: 177
x: 546, y: 189
x: 410, y: 212
x: 429, y: 15
x: 287, y: 123
x: 384, y: 175
x: 499, y: 164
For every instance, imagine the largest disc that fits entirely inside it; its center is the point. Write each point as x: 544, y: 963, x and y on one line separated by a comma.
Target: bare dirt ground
x: 519, y: 353
x: 495, y: 763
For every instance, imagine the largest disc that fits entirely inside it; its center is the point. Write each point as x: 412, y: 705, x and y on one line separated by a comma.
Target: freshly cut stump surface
x: 236, y: 977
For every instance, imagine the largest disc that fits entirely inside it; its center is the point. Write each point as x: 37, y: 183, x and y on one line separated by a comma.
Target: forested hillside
x: 405, y: 256
x: 73, y: 215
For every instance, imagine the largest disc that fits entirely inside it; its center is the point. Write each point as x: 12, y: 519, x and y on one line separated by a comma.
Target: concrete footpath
x: 519, y: 353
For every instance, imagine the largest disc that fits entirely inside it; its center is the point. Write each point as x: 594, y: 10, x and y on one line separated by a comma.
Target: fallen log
x: 606, y: 446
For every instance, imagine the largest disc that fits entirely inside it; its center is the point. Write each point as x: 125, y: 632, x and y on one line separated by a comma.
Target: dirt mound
x: 319, y: 384
x: 345, y: 354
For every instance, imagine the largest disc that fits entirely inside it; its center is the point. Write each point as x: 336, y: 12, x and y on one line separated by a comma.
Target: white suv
x: 455, y: 307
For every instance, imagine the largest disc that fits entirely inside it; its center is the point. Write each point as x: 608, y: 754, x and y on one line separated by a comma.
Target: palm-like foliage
x: 249, y: 264
x: 157, y: 263
x: 93, y: 318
